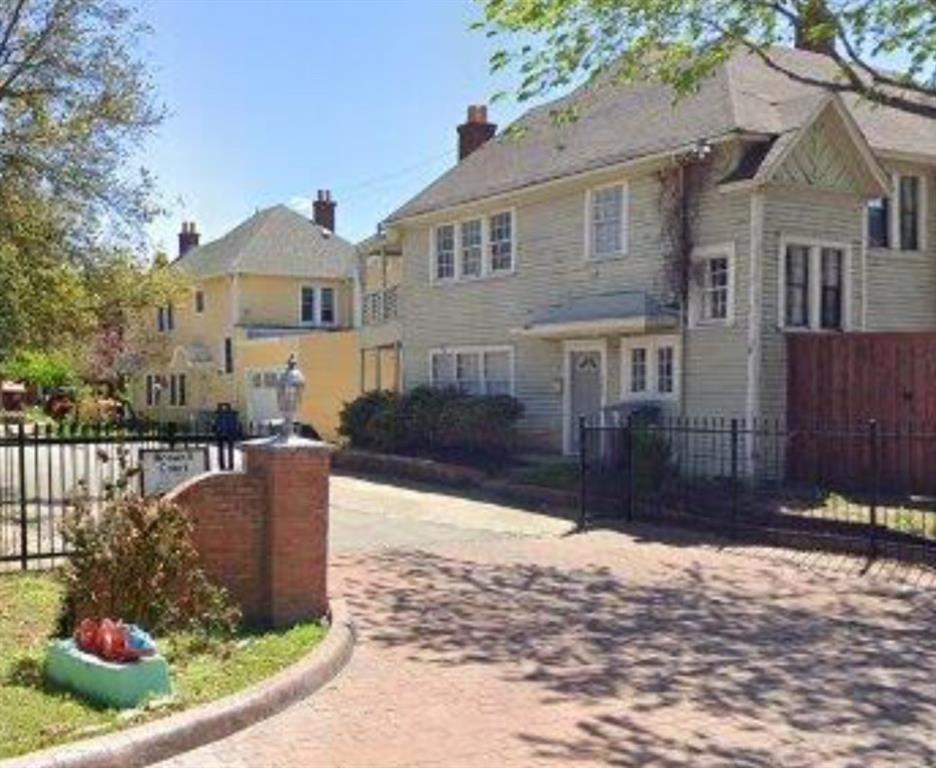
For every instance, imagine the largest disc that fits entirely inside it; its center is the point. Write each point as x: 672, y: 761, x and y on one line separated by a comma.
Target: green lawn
x: 35, y: 716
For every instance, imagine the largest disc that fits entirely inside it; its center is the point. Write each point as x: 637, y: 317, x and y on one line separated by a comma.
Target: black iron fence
x: 864, y: 488
x: 45, y: 468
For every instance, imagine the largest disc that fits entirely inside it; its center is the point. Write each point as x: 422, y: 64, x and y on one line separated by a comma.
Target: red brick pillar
x: 295, y: 475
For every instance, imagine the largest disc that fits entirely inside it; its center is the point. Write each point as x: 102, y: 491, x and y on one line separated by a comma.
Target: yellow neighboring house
x: 277, y: 284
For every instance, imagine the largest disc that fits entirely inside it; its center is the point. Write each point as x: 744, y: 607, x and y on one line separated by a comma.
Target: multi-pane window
x: 715, y: 289
x: 177, y: 393
x: 445, y: 252
x: 471, y: 248
x: 199, y: 301
x: 442, y: 374
x: 831, y: 298
x: 797, y: 286
x: 165, y: 318
x: 328, y: 306
x: 607, y: 221
x: 317, y: 306
x: 909, y: 215
x: 475, y: 371
x: 308, y: 305
x: 468, y: 372
x: 497, y: 372
x: 649, y: 368
x: 879, y: 223
x: 814, y: 287
x: 501, y: 242
x: 153, y: 388
x: 638, y: 369
x: 665, y: 370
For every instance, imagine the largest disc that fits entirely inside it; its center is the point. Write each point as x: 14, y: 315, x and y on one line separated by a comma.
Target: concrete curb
x: 160, y: 740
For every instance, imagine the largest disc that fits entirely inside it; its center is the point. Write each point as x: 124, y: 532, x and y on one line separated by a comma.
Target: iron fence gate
x: 864, y: 488
x: 43, y: 469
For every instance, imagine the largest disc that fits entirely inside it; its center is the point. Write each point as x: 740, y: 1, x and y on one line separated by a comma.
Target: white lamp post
x: 289, y: 391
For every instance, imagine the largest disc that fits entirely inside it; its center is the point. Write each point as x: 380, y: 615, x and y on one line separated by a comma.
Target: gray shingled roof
x: 621, y: 123
x: 620, y: 305
x: 274, y: 241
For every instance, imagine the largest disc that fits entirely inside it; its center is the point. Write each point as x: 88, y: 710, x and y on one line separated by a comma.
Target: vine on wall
x: 681, y: 187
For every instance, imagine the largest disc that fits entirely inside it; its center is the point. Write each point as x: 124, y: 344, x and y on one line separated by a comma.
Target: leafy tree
x: 43, y: 369
x: 681, y: 42
x: 75, y: 105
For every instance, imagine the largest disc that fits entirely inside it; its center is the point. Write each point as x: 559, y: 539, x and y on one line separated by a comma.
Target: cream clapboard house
x: 540, y: 265
x: 275, y: 285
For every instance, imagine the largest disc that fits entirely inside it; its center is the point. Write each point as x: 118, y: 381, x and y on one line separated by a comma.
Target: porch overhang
x: 609, y: 314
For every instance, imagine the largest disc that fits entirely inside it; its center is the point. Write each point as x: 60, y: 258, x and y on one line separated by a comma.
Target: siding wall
x: 811, y: 215
x: 902, y: 284
x: 551, y: 268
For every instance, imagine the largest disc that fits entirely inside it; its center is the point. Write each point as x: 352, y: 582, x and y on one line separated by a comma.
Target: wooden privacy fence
x: 846, y: 382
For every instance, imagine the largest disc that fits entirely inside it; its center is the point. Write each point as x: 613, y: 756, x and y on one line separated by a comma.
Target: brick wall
x: 263, y: 533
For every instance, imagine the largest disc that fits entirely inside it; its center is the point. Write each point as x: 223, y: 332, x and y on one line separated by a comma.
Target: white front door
x: 261, y: 395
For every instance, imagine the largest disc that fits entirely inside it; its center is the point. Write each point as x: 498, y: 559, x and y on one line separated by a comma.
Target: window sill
x: 490, y: 277
x: 704, y: 325
x: 592, y: 259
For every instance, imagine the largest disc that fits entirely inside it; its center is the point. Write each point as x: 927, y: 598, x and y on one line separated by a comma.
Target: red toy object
x: 109, y: 640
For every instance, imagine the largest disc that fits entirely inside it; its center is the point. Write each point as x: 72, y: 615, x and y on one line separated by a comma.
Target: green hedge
x: 432, y: 421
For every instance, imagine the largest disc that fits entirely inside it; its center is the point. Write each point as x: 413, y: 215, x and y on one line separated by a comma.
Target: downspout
x: 755, y: 314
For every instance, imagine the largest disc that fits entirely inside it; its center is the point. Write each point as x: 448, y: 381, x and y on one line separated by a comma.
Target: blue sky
x: 270, y: 101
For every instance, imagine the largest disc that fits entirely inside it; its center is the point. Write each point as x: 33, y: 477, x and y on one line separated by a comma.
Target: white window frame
x: 175, y: 379
x: 487, y: 270
x: 651, y: 343
x: 896, y: 235
x: 697, y: 290
x: 815, y: 247
x: 472, y: 349
x: 152, y: 390
x: 317, y: 322
x: 625, y: 214
x: 568, y: 347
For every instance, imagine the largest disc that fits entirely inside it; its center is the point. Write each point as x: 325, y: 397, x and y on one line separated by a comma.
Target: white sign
x: 161, y: 470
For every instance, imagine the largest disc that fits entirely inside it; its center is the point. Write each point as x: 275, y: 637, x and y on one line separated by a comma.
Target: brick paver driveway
x: 485, y: 648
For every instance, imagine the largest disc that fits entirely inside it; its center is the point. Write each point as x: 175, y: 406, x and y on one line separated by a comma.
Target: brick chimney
x: 188, y: 237
x: 323, y: 210
x: 475, y: 131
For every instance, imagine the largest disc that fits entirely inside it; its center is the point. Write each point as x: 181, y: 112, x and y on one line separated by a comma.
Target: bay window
x: 814, y: 286
x: 797, y: 286
x: 909, y: 220
x: 879, y: 223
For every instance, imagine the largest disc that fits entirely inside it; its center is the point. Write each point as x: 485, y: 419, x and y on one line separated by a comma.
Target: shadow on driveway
x: 749, y: 665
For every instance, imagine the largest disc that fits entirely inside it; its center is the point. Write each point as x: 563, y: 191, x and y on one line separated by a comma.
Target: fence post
x: 875, y: 446
x: 734, y: 470
x: 583, y: 467
x: 629, y: 468
x: 23, y: 488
